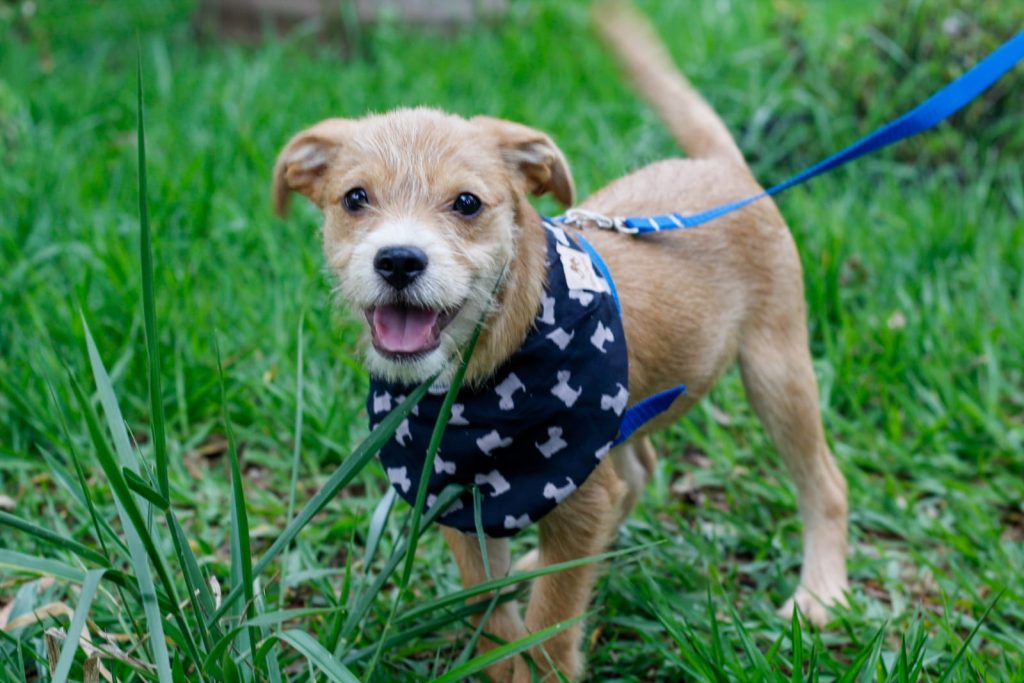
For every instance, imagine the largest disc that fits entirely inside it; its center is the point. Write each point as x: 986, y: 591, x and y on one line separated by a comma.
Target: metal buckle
x: 581, y: 217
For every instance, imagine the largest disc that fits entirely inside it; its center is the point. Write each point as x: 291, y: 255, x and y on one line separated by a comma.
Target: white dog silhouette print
x: 443, y: 466
x: 554, y: 443
x: 561, y: 338
x: 491, y: 441
x: 547, y: 315
x: 602, y: 335
x: 402, y: 434
x: 399, y: 476
x: 493, y: 479
x: 616, y: 402
x: 584, y: 297
x: 509, y: 386
x: 559, y: 494
x: 381, y: 402
x: 457, y: 419
x: 563, y: 391
x: 520, y: 522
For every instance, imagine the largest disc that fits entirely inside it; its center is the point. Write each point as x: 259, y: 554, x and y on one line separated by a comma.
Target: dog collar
x: 533, y: 433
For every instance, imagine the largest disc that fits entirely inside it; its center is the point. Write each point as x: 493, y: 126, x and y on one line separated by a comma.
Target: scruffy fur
x: 693, y: 303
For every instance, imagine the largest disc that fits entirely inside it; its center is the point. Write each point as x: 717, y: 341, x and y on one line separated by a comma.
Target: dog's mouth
x: 403, y: 332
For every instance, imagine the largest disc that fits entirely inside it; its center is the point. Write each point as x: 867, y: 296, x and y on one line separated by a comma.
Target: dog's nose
x: 399, y: 266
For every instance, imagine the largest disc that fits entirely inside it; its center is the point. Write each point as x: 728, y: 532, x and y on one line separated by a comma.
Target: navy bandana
x: 531, y: 434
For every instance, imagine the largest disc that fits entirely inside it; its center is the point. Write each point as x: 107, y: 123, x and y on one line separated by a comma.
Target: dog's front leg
x: 505, y: 624
x: 583, y: 525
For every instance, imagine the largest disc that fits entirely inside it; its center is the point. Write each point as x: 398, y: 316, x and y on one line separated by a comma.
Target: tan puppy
x: 423, y: 210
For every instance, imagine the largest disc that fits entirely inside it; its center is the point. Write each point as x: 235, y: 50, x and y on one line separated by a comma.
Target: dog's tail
x: 692, y: 121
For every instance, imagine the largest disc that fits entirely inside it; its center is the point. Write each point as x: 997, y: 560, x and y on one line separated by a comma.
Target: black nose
x: 400, y: 265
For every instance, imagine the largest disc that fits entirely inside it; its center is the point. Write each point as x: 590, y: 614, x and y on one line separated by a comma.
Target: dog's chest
x: 531, y: 435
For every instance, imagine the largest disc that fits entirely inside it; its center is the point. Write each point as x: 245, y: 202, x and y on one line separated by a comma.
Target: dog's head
x: 422, y: 215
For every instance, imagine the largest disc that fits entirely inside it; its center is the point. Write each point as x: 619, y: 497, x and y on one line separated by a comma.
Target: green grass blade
x: 99, y: 523
x: 757, y: 659
x: 263, y: 620
x: 451, y: 617
x: 869, y: 653
x: 700, y: 660
x: 365, y: 600
x: 21, y: 648
x: 12, y: 560
x: 139, y: 486
x: 497, y: 584
x: 137, y: 531
x: 796, y: 638
x: 470, y: 647
x: 133, y: 522
x: 507, y: 650
x: 53, y: 539
x: 478, y: 523
x: 717, y: 652
x: 315, y: 653
x: 265, y: 660
x: 67, y: 652
x: 296, y: 450
x: 378, y: 521
x: 149, y: 307
x: 967, y: 641
x: 349, y: 469
x: 242, y: 554
x: 198, y: 592
x: 342, y: 476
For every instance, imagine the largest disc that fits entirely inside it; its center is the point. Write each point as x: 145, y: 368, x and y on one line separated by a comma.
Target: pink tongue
x: 403, y: 330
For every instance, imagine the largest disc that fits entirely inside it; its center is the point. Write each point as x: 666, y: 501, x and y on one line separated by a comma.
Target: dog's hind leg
x: 634, y: 463
x: 776, y: 369
x: 505, y: 624
x: 583, y: 525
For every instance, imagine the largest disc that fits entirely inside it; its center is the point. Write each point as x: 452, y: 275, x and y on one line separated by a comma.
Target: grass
x: 914, y: 265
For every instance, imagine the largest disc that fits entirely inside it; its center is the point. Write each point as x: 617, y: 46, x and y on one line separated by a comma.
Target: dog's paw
x: 813, y: 605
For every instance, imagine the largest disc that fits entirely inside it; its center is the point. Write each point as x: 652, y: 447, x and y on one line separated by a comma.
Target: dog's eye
x: 467, y: 205
x: 355, y: 200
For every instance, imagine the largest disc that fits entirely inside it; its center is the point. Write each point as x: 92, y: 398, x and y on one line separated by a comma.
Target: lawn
x: 914, y: 267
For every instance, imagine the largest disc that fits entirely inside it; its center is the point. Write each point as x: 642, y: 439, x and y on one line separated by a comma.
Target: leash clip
x: 582, y: 217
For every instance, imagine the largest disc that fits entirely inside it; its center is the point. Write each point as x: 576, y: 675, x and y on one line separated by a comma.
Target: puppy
x: 428, y: 229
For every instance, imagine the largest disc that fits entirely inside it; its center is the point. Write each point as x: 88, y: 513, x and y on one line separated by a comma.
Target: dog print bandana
x: 533, y: 433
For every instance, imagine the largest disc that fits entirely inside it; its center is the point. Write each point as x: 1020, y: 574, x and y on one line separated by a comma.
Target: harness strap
x: 639, y: 414
x: 642, y: 412
x: 926, y: 115
x: 603, y: 267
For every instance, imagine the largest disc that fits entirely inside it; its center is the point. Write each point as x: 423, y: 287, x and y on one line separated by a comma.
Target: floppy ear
x: 536, y: 157
x: 301, y: 164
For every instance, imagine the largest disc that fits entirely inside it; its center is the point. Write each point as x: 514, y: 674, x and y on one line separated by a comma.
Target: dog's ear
x: 301, y: 164
x: 534, y: 155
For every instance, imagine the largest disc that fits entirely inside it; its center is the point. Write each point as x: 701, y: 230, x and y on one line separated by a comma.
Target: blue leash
x: 926, y: 115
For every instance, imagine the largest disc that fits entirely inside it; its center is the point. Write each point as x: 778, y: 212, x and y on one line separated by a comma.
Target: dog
x: 428, y: 228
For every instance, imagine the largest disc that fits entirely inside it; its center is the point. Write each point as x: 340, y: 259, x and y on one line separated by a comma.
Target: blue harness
x: 530, y: 436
